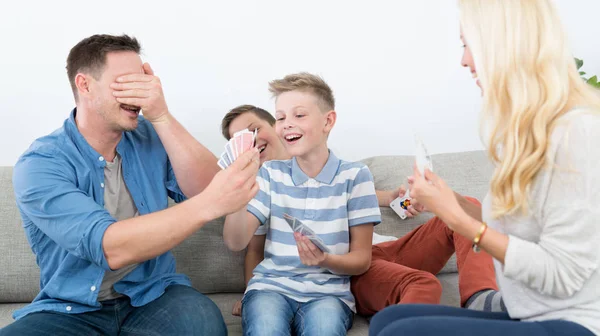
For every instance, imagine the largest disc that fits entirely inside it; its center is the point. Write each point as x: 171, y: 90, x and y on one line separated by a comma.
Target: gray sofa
x: 218, y: 272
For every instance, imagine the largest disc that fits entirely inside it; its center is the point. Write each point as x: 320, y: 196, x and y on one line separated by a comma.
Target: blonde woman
x: 541, y: 218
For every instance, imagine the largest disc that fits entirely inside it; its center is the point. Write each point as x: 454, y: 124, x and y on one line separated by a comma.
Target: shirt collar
x: 325, y: 176
x: 82, y: 144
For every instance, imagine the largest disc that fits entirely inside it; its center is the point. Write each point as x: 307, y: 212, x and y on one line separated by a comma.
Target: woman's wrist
x: 464, y: 224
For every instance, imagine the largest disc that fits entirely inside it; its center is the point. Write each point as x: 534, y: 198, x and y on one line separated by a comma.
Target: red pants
x: 403, y: 271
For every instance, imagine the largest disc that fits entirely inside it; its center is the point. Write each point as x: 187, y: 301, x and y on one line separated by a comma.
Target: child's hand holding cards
x: 240, y: 143
x: 400, y: 204
x: 298, y: 226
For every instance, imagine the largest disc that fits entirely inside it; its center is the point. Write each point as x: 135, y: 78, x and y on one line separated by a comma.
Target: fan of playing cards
x: 422, y: 157
x: 423, y: 160
x: 241, y: 142
x: 298, y: 226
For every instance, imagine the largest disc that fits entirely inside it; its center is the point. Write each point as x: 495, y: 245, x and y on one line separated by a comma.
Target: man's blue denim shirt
x: 59, y: 188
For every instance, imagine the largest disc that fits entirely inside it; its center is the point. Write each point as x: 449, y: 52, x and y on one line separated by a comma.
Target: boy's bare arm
x: 358, y: 260
x: 254, y: 255
x: 239, y: 229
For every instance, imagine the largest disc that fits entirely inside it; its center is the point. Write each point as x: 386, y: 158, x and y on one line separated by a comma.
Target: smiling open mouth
x: 131, y: 108
x: 291, y: 138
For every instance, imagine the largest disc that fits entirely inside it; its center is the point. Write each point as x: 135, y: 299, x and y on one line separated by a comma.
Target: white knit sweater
x: 551, y: 266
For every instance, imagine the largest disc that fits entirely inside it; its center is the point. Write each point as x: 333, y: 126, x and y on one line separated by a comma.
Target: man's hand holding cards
x: 240, y: 143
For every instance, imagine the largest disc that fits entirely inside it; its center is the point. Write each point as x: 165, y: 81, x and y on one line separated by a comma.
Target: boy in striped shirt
x: 298, y: 287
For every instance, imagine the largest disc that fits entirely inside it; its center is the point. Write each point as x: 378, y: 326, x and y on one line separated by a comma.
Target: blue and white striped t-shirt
x: 342, y: 195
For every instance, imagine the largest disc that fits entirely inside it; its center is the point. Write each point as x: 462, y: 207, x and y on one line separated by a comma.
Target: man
x: 93, y: 198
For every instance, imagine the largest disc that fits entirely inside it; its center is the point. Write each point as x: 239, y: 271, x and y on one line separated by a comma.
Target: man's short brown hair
x: 238, y: 111
x: 89, y: 55
x: 305, y: 82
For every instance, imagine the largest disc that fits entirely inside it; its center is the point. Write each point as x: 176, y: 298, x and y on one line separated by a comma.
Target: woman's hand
x: 434, y: 194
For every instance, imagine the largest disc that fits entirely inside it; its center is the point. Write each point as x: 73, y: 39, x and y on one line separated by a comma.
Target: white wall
x: 393, y: 65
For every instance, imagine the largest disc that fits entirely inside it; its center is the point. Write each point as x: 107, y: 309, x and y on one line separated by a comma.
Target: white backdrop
x: 393, y: 65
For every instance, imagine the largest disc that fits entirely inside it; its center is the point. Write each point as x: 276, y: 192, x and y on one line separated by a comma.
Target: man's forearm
x: 142, y: 238
x: 472, y: 209
x: 194, y: 165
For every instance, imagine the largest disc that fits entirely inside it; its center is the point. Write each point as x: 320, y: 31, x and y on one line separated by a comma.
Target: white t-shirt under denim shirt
x: 119, y: 203
x: 551, y: 265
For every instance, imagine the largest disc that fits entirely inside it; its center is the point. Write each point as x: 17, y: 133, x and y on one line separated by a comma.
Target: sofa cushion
x: 6, y: 310
x: 209, y: 264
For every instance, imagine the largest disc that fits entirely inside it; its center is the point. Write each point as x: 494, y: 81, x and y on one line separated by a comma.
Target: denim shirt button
x: 93, y: 288
x: 101, y: 159
x: 69, y: 308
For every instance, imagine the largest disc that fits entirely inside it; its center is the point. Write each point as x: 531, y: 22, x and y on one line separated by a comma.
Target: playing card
x: 236, y: 146
x: 401, y: 204
x: 298, y: 226
x: 422, y: 157
x: 247, y: 141
x: 222, y: 163
x: 229, y: 152
x: 226, y: 158
x: 244, y: 140
x: 233, y: 148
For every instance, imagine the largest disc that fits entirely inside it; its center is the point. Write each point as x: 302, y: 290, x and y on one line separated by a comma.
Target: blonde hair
x: 529, y: 80
x: 305, y: 82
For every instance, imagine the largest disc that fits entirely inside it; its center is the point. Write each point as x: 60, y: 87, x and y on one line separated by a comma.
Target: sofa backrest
x: 19, y: 274
x: 204, y: 257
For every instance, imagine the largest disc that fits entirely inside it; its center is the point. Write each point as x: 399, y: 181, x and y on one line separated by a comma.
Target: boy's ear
x: 330, y: 118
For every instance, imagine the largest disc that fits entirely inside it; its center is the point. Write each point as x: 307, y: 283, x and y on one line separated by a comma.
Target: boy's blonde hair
x: 305, y: 82
x: 529, y: 80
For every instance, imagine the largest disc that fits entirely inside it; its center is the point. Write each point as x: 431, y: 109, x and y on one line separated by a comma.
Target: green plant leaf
x: 593, y: 80
x: 579, y: 63
x: 581, y: 73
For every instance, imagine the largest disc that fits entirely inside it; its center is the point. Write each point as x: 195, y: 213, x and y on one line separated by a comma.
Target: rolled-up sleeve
x: 47, y: 195
x: 172, y: 186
